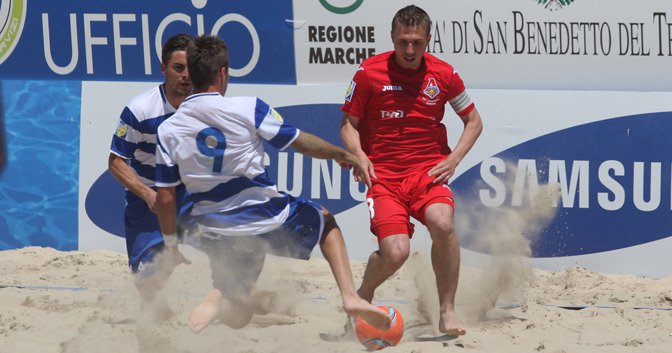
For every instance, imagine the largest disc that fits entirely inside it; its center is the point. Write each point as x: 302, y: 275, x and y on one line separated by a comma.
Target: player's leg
x: 235, y: 313
x: 147, y: 275
x: 446, y: 264
x: 382, y: 264
x: 149, y: 278
x: 390, y: 224
x: 334, y: 251
x: 309, y: 224
x: 144, y: 243
x: 206, y: 311
x: 235, y: 263
x: 434, y: 207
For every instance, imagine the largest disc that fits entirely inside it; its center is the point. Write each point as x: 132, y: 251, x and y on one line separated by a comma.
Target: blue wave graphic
x: 105, y: 203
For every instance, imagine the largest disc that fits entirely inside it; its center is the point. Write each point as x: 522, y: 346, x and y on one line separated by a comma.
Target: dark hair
x: 178, y: 42
x: 205, y: 57
x: 411, y: 16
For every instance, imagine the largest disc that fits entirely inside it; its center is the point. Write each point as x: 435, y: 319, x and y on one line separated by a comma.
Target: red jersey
x: 400, y: 112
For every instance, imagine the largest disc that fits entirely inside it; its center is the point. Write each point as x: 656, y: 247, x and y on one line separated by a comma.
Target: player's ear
x: 224, y: 71
x: 163, y: 69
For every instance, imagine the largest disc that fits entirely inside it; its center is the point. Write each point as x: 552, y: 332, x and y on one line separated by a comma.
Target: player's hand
x: 362, y: 168
x: 150, y: 199
x: 169, y: 258
x: 443, y: 171
x: 174, y: 257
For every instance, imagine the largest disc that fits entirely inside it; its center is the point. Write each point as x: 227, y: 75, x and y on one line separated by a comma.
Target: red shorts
x: 391, y: 204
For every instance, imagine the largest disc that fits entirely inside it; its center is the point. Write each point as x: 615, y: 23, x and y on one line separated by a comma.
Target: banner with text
x: 517, y: 44
x: 122, y: 39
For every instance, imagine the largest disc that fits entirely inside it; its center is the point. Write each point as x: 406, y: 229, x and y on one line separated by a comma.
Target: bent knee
x: 329, y: 223
x: 441, y: 229
x: 396, y: 255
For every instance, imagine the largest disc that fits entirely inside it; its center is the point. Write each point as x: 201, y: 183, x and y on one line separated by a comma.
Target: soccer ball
x: 375, y: 339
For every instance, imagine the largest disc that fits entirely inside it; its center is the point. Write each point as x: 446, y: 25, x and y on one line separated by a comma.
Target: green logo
x: 12, y: 17
x: 553, y: 5
x: 341, y: 10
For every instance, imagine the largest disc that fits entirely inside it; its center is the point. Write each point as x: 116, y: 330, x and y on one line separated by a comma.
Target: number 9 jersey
x: 214, y: 145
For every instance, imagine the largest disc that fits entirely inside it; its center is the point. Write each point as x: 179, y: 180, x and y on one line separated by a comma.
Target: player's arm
x: 311, y: 145
x: 166, y: 205
x: 167, y: 178
x: 351, y: 141
x: 472, y: 129
x: 166, y: 210
x: 124, y: 174
x: 349, y: 133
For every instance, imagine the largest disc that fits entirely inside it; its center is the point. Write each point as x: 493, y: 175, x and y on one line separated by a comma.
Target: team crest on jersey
x: 350, y: 91
x: 431, y: 90
x: 122, y: 128
x: 276, y: 115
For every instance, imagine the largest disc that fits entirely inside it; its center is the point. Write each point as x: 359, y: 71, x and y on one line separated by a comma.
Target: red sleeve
x: 357, y: 95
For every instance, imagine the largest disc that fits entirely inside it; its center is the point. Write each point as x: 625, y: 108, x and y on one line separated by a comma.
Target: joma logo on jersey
x: 554, y: 5
x: 392, y: 88
x: 398, y: 114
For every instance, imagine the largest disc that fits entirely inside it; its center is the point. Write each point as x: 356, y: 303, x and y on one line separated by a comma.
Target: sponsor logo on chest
x: 398, y: 114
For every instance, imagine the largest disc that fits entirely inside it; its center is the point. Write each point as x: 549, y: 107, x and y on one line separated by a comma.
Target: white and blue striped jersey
x: 135, y: 138
x: 215, y: 146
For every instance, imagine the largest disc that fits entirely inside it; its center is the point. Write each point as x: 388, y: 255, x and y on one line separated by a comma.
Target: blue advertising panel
x: 614, y: 185
x: 121, y: 39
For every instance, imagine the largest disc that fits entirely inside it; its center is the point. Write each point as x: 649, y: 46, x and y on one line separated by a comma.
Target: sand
x: 76, y: 302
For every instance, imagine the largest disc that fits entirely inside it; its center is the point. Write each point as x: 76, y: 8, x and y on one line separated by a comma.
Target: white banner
x: 516, y: 44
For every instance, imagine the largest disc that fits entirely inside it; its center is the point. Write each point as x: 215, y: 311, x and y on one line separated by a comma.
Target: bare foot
x: 206, y: 312
x: 451, y: 325
x: 356, y: 306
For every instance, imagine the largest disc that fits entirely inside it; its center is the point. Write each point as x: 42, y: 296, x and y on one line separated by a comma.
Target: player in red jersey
x: 392, y: 121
